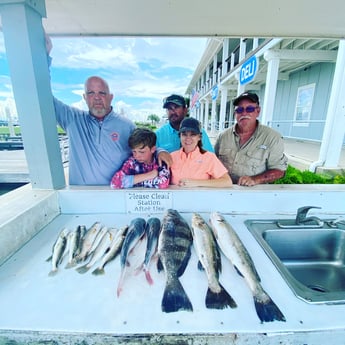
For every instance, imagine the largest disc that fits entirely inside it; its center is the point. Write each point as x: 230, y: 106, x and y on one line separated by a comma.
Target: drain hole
x: 317, y: 288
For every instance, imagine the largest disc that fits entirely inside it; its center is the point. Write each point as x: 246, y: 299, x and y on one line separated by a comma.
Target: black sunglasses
x: 249, y: 109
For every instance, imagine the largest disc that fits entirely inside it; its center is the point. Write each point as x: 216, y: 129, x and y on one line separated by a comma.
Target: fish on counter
x: 235, y: 251
x: 114, y: 250
x: 135, y: 233
x: 174, y: 251
x: 58, y: 251
x: 152, y: 230
x: 88, y: 240
x: 74, y: 242
x: 210, y: 261
x: 98, y: 239
x: 100, y: 249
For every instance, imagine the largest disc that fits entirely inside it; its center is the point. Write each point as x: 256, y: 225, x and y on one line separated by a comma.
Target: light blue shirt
x: 168, y: 138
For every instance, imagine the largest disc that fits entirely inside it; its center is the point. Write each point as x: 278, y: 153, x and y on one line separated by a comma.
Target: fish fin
x: 83, y: 269
x: 159, y: 265
x: 239, y: 272
x: 267, y: 310
x: 98, y: 271
x: 148, y: 276
x: 50, y: 258
x: 200, y: 266
x: 139, y: 269
x: 219, y: 300
x: 175, y: 298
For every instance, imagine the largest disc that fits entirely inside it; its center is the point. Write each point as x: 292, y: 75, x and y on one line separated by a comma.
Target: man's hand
x: 165, y: 157
x: 48, y: 42
x: 247, y: 181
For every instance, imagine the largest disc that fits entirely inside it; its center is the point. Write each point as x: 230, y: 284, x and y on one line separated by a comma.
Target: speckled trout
x: 114, y: 250
x: 235, y: 251
x: 88, y: 241
x: 74, y: 242
x: 58, y: 251
x: 210, y: 261
x: 101, y: 248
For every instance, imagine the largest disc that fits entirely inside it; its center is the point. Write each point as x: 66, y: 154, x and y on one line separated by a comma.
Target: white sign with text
x: 148, y: 202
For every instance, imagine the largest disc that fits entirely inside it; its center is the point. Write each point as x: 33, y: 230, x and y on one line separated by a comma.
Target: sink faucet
x: 301, y: 217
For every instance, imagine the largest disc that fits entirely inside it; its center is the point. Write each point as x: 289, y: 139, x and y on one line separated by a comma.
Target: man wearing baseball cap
x: 168, y: 135
x: 252, y: 153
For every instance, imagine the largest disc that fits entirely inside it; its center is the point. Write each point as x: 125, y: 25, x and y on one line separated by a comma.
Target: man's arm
x: 164, y: 157
x: 265, y: 177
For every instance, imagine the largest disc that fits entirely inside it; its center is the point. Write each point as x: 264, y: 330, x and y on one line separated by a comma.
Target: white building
x: 298, y: 82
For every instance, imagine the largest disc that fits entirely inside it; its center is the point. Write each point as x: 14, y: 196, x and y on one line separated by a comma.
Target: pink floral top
x: 124, y: 178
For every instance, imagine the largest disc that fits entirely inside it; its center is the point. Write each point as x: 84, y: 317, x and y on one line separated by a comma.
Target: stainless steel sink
x: 311, y: 259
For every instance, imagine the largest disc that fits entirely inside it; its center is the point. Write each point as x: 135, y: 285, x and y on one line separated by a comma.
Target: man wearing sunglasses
x: 252, y: 153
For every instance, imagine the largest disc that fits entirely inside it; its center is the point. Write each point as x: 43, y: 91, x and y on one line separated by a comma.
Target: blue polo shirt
x: 97, y: 149
x: 168, y: 138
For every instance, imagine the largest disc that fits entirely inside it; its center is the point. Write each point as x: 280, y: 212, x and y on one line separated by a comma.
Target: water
x: 7, y: 187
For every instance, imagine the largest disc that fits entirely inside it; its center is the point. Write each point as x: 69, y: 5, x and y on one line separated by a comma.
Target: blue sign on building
x: 248, y: 70
x: 215, y: 92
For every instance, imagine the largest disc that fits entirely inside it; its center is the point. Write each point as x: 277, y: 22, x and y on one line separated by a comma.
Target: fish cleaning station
x: 290, y: 238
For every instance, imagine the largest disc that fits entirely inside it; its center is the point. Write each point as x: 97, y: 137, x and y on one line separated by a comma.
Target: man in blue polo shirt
x: 168, y: 135
x: 98, y: 138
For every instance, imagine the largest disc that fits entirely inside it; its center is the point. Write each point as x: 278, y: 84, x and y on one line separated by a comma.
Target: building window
x: 304, y: 102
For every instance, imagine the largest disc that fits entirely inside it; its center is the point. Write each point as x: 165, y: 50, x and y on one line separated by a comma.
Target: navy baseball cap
x: 189, y: 124
x: 176, y: 99
x: 246, y: 95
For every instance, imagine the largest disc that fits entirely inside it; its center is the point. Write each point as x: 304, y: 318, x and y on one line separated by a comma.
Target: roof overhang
x: 265, y: 18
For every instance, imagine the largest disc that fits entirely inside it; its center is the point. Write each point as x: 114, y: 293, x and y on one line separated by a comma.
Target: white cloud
x: 92, y: 53
x: 141, y: 71
x: 112, y: 52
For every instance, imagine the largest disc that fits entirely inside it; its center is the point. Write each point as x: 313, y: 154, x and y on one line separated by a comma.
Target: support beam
x: 302, y: 55
x: 25, y: 49
x: 334, y: 130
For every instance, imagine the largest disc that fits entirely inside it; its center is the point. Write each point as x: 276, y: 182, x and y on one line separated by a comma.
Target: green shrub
x: 295, y: 176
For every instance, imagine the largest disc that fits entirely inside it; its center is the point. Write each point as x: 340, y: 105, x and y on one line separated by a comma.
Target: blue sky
x: 141, y: 71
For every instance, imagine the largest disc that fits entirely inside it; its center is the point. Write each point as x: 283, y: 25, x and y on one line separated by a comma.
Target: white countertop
x: 73, y: 302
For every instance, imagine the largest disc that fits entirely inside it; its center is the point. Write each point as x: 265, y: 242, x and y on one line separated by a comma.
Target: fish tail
x: 71, y: 264
x: 83, y: 269
x: 148, y: 276
x: 52, y: 273
x: 175, y: 298
x: 267, y: 310
x: 98, y: 271
x: 219, y: 300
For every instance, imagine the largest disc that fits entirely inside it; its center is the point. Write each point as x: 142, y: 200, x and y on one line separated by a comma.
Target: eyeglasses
x: 249, y: 109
